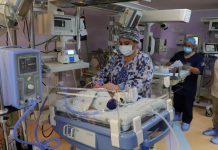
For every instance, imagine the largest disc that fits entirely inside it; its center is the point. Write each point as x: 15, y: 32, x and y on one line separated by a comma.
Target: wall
x: 195, y: 26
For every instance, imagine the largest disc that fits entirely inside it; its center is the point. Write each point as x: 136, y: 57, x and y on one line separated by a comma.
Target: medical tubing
x: 46, y: 142
x: 32, y: 106
x: 171, y: 129
x: 88, y: 84
x: 46, y: 41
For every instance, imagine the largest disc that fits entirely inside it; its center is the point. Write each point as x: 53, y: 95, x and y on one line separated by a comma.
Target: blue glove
x: 122, y: 86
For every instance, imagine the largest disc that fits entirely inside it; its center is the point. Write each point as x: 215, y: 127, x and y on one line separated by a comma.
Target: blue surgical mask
x: 187, y: 49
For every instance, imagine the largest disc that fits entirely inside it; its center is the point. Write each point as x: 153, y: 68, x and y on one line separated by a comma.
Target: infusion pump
x: 20, y: 76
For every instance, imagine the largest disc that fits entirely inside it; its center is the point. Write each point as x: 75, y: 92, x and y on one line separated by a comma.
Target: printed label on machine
x: 80, y: 135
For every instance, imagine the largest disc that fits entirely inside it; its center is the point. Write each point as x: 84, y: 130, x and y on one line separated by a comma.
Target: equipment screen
x: 215, y: 25
x: 59, y: 23
x: 28, y: 65
x: 210, y: 47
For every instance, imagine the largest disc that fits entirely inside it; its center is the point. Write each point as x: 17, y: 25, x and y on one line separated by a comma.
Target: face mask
x: 187, y: 49
x: 126, y: 50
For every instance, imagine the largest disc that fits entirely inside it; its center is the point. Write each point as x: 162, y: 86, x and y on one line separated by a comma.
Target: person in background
x: 129, y: 68
x: 184, y: 92
x: 214, y: 92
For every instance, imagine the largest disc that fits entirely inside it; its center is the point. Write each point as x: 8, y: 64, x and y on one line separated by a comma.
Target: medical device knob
x: 30, y: 86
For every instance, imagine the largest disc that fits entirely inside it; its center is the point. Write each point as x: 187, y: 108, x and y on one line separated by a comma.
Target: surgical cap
x: 130, y: 33
x: 191, y: 40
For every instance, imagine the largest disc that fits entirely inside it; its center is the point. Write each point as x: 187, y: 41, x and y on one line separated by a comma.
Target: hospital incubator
x: 100, y: 119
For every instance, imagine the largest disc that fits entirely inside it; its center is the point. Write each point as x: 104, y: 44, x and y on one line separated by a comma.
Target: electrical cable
x: 47, y: 52
x: 42, y: 128
x: 46, y: 41
x: 46, y: 142
x: 43, y: 83
x: 3, y: 26
x: 43, y: 132
x: 22, y: 30
x: 7, y: 38
x: 32, y: 106
x: 44, y: 145
x: 27, y: 28
x: 90, y: 83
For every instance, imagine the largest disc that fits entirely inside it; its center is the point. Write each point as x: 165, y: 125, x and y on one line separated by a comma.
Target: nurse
x: 129, y: 68
x: 184, y: 93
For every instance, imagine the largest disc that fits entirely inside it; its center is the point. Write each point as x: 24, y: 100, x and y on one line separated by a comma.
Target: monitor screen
x: 59, y: 23
x: 210, y: 47
x: 214, y: 25
x: 28, y: 65
x: 196, y: 39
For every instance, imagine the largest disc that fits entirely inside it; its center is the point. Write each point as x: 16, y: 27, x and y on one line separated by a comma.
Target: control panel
x: 20, y: 76
x: 63, y: 25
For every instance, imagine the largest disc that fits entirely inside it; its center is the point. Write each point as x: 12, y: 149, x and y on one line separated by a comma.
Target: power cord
x: 43, y: 132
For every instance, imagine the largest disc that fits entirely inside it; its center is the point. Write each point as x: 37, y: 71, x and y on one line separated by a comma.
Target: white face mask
x: 126, y: 50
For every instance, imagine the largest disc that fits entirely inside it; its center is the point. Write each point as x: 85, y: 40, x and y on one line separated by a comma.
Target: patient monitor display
x: 213, y: 25
x: 20, y: 76
x: 27, y: 65
x: 210, y: 48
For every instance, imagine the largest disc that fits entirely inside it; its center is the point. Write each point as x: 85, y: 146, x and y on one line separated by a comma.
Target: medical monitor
x: 210, y: 48
x: 197, y: 39
x: 213, y: 25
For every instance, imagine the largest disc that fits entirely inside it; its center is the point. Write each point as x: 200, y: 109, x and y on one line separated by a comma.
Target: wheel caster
x: 209, y: 112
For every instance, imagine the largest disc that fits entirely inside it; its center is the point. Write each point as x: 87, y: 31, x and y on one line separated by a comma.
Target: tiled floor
x: 196, y: 140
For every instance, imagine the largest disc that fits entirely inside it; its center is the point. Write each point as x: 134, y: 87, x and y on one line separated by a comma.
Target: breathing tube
x: 45, y: 145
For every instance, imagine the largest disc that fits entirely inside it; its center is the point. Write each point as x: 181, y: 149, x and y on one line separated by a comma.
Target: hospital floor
x: 194, y: 137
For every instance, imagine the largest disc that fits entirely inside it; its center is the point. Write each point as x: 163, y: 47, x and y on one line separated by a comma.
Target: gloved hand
x: 176, y: 64
x: 186, y: 67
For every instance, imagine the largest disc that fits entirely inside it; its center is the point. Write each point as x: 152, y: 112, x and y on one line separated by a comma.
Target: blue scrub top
x: 189, y: 86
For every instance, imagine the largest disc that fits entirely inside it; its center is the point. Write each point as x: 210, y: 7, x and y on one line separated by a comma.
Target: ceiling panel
x: 179, y: 4
x: 70, y: 3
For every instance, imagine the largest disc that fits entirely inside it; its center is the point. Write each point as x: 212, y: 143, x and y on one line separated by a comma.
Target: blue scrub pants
x: 184, y: 104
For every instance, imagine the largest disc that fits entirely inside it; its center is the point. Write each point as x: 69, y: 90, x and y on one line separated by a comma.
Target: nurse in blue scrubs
x: 184, y: 93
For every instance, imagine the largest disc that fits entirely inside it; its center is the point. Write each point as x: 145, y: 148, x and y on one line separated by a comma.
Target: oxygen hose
x: 42, y: 145
x: 32, y: 106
